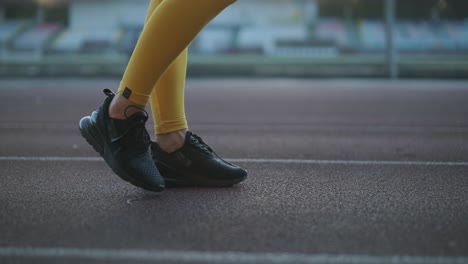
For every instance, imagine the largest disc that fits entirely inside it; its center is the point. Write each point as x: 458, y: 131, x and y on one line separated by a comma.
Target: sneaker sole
x: 92, y: 135
x: 197, y: 180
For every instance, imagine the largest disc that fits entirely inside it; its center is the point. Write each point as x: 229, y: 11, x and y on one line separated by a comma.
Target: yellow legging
x: 157, y: 68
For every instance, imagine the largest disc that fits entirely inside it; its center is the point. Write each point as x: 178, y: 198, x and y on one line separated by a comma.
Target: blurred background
x: 292, y: 38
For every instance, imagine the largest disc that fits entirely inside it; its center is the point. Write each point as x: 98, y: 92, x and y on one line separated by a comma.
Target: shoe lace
x: 139, y: 135
x: 136, y: 134
x: 200, y: 144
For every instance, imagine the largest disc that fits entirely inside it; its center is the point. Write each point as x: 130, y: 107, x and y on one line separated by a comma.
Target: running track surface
x: 340, y: 171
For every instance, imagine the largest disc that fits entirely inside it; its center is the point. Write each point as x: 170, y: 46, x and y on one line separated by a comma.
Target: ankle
x: 122, y: 108
x: 172, y: 141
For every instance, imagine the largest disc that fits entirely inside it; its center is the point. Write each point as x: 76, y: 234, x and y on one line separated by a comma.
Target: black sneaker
x: 124, y: 145
x: 195, y: 164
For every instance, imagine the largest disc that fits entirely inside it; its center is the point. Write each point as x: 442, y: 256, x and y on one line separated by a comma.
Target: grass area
x: 242, y: 60
x: 446, y: 65
x: 341, y: 60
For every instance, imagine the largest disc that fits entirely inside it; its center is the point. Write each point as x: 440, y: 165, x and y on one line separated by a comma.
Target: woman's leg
x: 167, y: 105
x: 167, y: 100
x: 182, y: 157
x: 168, y: 32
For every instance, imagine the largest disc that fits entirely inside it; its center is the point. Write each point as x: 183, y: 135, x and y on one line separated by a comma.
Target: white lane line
x: 256, y: 126
x: 165, y: 256
x: 278, y: 161
x: 26, y: 158
x: 352, y: 162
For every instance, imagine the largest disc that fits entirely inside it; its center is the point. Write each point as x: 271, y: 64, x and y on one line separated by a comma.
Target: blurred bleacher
x: 416, y: 36
x: 82, y: 40
x: 328, y: 47
x: 8, y: 30
x: 365, y: 36
x: 36, y: 37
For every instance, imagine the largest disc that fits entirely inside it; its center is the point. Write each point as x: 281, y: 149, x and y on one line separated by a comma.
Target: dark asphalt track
x: 335, y: 195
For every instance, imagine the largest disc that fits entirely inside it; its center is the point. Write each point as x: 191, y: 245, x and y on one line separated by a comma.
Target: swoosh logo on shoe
x: 184, y: 160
